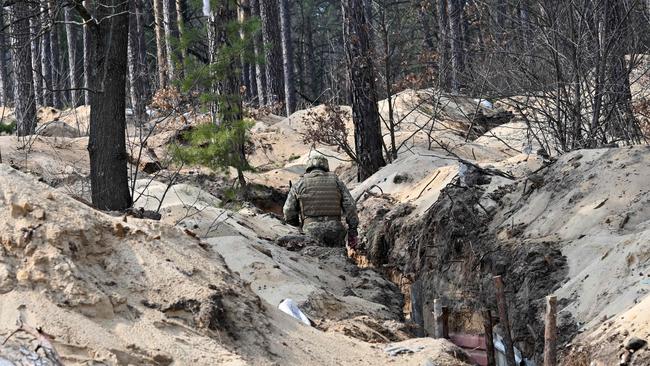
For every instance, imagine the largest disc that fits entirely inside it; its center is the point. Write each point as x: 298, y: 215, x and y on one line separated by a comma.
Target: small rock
x: 635, y: 344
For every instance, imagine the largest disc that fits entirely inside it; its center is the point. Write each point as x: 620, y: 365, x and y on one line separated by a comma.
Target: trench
x: 452, y: 253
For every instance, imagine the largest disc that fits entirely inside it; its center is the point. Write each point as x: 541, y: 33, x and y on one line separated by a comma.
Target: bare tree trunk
x: 22, y: 59
x: 4, y: 76
x: 35, y: 28
x: 136, y: 73
x: 46, y: 57
x: 243, y: 14
x: 181, y: 7
x: 443, y: 45
x: 161, y: 52
x: 258, y: 48
x: 171, y: 39
x: 367, y: 128
x: 310, y: 63
x: 72, y: 57
x: 107, y: 144
x: 287, y: 58
x: 455, y: 13
x: 87, y: 46
x: 273, y: 51
x: 57, y: 85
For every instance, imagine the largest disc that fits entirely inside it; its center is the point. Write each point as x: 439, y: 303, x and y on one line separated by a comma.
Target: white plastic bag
x: 287, y: 306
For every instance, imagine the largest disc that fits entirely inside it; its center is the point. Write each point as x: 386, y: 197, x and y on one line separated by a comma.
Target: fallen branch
x: 43, y: 341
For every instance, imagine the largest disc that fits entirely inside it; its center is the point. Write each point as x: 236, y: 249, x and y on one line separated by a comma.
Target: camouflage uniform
x: 319, y: 200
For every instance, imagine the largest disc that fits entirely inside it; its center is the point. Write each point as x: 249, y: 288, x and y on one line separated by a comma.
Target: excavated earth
x: 466, y: 200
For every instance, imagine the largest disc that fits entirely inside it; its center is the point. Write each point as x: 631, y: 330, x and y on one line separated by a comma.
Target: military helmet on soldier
x: 317, y: 161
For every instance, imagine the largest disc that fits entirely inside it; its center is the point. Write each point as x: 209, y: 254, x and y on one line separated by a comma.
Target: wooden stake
x: 489, y: 340
x: 503, y: 318
x: 550, y: 332
x: 445, y: 322
x: 438, y: 319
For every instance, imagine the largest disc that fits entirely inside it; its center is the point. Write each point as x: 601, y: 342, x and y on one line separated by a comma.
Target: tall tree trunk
x: 136, y: 66
x: 455, y: 13
x: 161, y: 51
x: 273, y: 55
x: 443, y: 45
x: 367, y: 128
x: 87, y: 49
x: 258, y: 49
x: 46, y: 57
x: 171, y: 39
x: 35, y: 28
x: 4, y: 80
x: 243, y: 14
x: 287, y: 58
x: 181, y: 8
x: 310, y: 61
x: 425, y: 21
x: 57, y: 85
x: 71, y: 35
x: 22, y: 59
x: 107, y: 144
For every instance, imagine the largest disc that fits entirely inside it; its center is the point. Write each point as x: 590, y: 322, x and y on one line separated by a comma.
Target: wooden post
x: 439, y: 320
x: 550, y: 332
x: 503, y: 318
x: 489, y: 340
x: 445, y: 322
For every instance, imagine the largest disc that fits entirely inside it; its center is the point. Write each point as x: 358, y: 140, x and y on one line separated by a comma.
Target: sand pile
x: 109, y: 291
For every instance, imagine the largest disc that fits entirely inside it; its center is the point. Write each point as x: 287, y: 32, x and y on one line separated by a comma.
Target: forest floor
x: 203, y: 284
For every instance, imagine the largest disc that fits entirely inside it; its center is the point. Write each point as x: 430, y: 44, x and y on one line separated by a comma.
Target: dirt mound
x: 106, y: 290
x: 559, y: 228
x: 98, y: 284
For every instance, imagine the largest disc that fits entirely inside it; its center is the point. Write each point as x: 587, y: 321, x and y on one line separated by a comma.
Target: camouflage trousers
x: 328, y: 231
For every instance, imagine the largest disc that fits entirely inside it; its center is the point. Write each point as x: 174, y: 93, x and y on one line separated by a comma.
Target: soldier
x: 319, y: 200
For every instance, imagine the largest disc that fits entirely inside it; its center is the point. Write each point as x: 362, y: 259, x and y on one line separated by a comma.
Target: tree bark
x: 137, y: 68
x: 161, y: 52
x: 443, y: 45
x: 258, y: 49
x: 107, y: 144
x: 35, y: 28
x: 22, y: 59
x: 455, y: 13
x: 57, y: 85
x: 181, y: 8
x: 46, y: 57
x: 87, y: 47
x: 171, y: 39
x: 273, y: 51
x: 287, y: 58
x: 4, y: 76
x: 71, y: 35
x: 243, y: 13
x: 367, y: 128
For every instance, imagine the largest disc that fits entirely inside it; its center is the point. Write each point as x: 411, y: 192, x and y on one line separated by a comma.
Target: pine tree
x: 365, y: 115
x: 4, y: 76
x: 22, y: 59
x: 273, y: 51
x: 287, y: 57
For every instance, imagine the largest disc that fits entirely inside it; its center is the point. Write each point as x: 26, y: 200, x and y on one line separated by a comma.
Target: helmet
x: 317, y: 161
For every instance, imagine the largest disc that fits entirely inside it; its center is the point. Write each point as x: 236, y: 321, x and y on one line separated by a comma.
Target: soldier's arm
x: 349, y: 208
x: 291, y: 208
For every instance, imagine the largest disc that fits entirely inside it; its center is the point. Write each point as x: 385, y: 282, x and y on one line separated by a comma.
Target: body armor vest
x: 320, y: 196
